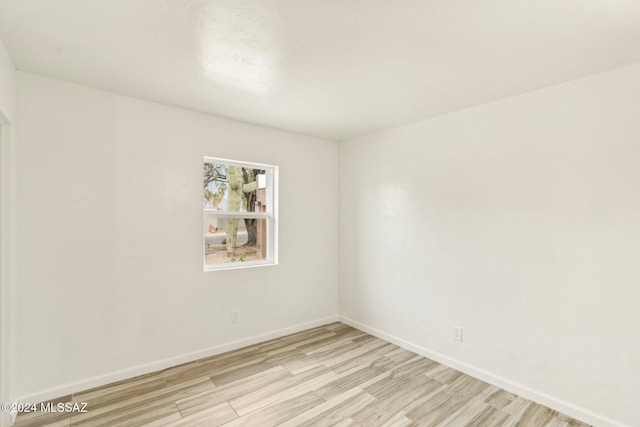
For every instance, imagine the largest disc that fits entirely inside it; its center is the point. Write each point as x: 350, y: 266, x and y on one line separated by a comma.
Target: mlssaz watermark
x: 69, y: 407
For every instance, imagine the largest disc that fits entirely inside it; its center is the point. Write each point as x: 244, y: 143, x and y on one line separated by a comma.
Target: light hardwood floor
x: 332, y: 375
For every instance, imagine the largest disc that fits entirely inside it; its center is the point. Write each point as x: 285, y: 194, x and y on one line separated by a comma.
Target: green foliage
x: 214, y: 172
x: 241, y: 258
x: 215, y: 183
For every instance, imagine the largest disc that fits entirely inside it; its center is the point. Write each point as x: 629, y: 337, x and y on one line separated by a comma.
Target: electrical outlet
x: 457, y: 333
x: 234, y: 317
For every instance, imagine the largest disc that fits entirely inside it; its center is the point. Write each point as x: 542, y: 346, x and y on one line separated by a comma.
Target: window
x: 240, y: 214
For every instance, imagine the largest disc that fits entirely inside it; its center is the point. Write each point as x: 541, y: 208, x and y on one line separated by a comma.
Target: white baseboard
x: 147, y: 368
x: 545, y: 399
x: 567, y: 408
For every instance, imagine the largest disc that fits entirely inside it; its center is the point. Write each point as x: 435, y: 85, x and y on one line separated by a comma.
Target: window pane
x: 235, y: 188
x: 250, y: 240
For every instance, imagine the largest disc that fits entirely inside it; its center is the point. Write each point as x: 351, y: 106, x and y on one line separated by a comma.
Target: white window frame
x: 271, y: 217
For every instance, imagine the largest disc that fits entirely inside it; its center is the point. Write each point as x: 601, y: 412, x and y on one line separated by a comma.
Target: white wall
x: 517, y: 220
x: 7, y: 161
x: 110, y: 243
x: 7, y: 84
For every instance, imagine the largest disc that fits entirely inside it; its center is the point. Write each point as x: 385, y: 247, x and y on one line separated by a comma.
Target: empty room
x: 319, y: 213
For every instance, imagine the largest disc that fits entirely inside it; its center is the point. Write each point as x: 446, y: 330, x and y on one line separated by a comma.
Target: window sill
x: 238, y: 265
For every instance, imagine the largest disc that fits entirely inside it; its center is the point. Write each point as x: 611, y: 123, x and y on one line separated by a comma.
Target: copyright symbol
x: 5, y: 407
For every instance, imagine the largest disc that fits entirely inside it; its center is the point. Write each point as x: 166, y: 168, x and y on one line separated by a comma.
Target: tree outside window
x: 239, y: 214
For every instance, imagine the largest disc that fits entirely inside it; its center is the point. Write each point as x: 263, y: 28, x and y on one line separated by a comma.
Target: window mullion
x: 232, y: 214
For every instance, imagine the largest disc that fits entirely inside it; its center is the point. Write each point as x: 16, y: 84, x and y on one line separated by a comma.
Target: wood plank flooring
x: 332, y: 375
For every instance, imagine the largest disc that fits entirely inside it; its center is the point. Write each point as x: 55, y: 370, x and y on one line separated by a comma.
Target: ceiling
x: 333, y: 69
